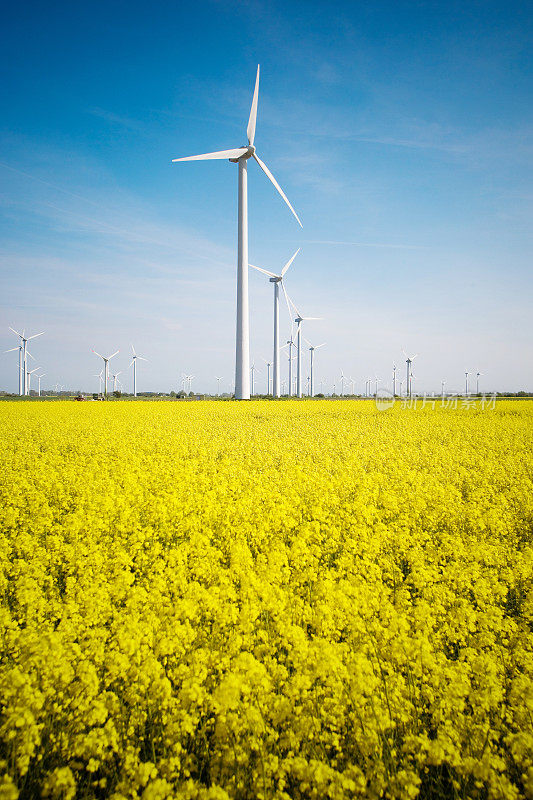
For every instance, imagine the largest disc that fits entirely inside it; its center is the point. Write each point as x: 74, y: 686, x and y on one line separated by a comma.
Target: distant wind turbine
x: 24, y: 365
x: 466, y: 384
x: 106, y: 361
x: 311, y: 367
x: 299, y: 319
x: 115, y: 380
x: 29, y: 373
x: 277, y: 280
x: 240, y: 156
x: 218, y: 384
x: 39, y: 379
x: 409, y: 361
x: 478, y: 375
x: 134, y: 362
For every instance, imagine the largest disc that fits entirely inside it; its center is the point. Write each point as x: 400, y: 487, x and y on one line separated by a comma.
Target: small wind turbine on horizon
x: 115, y: 380
x: 240, y: 156
x: 466, y: 384
x: 311, y: 368
x: 409, y: 361
x: 299, y: 319
x: 23, y: 362
x: 39, y: 379
x: 277, y: 280
x: 218, y: 384
x: 29, y: 373
x: 106, y: 361
x: 134, y: 362
x: 478, y: 375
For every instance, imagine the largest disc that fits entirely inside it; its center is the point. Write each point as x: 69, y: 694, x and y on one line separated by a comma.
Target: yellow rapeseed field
x: 265, y: 600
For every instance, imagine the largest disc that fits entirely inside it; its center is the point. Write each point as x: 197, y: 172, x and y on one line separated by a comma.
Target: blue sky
x: 401, y: 133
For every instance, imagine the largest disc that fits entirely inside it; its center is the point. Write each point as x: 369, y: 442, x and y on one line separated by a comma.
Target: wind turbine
x: 342, y: 383
x: 352, y: 381
x: 29, y: 373
x: 39, y: 378
x: 394, y: 380
x: 253, y: 370
x: 299, y: 319
x: 466, y: 384
x: 478, y: 374
x: 277, y: 280
x: 12, y: 350
x: 240, y: 156
x: 409, y: 361
x: 442, y: 383
x: 106, y: 367
x: 268, y: 365
x: 218, y: 385
x: 290, y: 344
x: 311, y: 370
x: 134, y: 362
x: 115, y: 379
x: 100, y: 378
x: 24, y: 365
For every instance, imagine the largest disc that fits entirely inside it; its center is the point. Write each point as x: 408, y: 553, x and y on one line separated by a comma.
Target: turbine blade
x: 276, y: 184
x: 320, y: 345
x: 142, y: 358
x: 265, y: 271
x: 35, y: 335
x: 133, y: 350
x: 30, y: 355
x: 14, y: 331
x: 98, y: 354
x: 114, y: 354
x: 11, y: 349
x: 289, y: 303
x: 312, y: 318
x: 240, y: 151
x: 250, y: 130
x: 289, y: 262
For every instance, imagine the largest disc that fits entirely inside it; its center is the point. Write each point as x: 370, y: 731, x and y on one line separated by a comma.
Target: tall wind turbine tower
x: 23, y: 363
x: 240, y: 156
x: 409, y: 375
x: 106, y: 367
x: 312, y: 366
x: 134, y: 362
x: 277, y: 280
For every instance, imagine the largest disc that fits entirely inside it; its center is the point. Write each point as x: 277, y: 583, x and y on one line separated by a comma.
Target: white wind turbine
x: 115, y: 380
x: 20, y: 350
x: 277, y: 280
x: 240, y: 156
x: 39, y: 379
x: 409, y: 361
x: 253, y: 370
x: 134, y: 362
x: 342, y: 383
x: 29, y: 373
x: 218, y: 384
x: 299, y: 319
x: 466, y: 384
x: 312, y: 366
x: 478, y: 375
x: 100, y: 377
x: 268, y: 365
x: 23, y: 362
x: 106, y: 367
